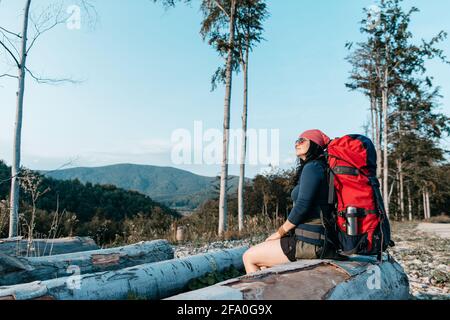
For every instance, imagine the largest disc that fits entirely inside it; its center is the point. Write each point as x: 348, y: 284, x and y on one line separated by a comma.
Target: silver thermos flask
x: 352, y: 221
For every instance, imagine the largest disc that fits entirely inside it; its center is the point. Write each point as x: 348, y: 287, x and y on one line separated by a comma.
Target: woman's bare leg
x: 266, y: 254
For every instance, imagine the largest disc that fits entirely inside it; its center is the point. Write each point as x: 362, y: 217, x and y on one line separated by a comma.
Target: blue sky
x: 147, y: 73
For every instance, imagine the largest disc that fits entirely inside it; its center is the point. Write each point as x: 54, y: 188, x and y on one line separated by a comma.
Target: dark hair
x: 314, y: 152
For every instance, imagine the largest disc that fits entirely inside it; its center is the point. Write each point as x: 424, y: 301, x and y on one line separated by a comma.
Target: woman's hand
x: 282, y: 231
x: 274, y: 236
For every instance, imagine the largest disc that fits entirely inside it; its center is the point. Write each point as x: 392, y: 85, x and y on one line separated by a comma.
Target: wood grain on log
x: 14, y: 270
x: 359, y: 279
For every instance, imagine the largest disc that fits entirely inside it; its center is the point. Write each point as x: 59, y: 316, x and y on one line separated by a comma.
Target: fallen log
x: 148, y: 281
x: 46, y: 247
x: 14, y: 270
x: 360, y: 278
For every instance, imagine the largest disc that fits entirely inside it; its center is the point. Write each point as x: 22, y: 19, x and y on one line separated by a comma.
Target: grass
x: 212, y: 278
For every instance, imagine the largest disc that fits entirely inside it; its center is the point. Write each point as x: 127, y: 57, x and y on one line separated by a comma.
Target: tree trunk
x: 47, y: 247
x: 410, y: 217
x: 419, y: 205
x: 277, y: 209
x: 244, y: 144
x: 385, y: 148
x: 23, y: 270
x: 378, y: 121
x: 373, y: 103
x: 226, y: 128
x: 402, y: 191
x: 392, y: 188
x: 15, y: 168
x: 397, y: 176
x: 427, y: 198
x: 424, y: 201
x: 148, y: 281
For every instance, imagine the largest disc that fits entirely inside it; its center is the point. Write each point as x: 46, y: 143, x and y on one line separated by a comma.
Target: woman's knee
x: 257, y: 254
x: 248, y: 256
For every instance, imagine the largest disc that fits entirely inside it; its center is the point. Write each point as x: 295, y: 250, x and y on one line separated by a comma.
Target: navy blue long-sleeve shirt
x: 311, y: 193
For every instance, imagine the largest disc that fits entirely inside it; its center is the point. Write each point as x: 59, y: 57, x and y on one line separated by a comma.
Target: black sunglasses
x: 300, y: 141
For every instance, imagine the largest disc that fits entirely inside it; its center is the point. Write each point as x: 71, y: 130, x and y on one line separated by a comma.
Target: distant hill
x: 175, y: 188
x: 88, y: 209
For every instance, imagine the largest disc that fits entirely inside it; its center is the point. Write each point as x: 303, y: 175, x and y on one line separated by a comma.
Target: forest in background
x: 389, y: 67
x: 52, y: 208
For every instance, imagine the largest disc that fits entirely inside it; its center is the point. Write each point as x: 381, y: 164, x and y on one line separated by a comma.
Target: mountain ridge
x: 174, y: 187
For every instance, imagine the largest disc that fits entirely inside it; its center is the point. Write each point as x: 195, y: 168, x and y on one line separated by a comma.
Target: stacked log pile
x: 14, y: 270
x: 150, y: 281
x: 148, y: 270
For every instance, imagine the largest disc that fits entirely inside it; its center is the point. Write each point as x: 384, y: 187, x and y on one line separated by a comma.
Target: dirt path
x: 424, y: 252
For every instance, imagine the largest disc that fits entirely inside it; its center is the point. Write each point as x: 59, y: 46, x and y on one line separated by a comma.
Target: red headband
x: 316, y: 136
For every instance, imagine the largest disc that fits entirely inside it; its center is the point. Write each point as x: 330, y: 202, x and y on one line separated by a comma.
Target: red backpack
x: 362, y: 225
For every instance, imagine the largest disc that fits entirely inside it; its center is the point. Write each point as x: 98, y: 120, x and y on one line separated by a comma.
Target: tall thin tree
x: 220, y: 15
x: 14, y: 206
x: 51, y: 17
x: 251, y: 15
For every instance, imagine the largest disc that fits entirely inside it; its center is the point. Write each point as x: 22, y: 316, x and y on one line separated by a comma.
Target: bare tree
x: 17, y: 47
x: 21, y: 67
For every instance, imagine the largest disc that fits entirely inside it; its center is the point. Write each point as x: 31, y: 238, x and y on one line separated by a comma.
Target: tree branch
x: 40, y: 32
x: 10, y: 42
x: 12, y: 55
x: 6, y: 75
x: 11, y: 33
x: 221, y: 8
x: 90, y: 11
x: 50, y: 81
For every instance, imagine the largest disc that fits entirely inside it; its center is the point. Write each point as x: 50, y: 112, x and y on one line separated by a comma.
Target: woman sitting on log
x: 303, y: 235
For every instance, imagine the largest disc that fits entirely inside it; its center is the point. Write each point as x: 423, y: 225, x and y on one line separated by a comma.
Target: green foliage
x: 97, y: 210
x: 440, y: 277
x: 392, y: 62
x: 262, y: 198
x: 171, y: 186
x: 249, y: 18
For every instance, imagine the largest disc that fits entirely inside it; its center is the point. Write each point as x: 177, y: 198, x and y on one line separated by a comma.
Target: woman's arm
x: 309, y: 186
x: 310, y: 182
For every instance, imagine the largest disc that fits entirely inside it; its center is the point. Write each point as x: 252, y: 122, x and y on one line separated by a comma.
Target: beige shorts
x: 295, y: 249
x: 305, y: 250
